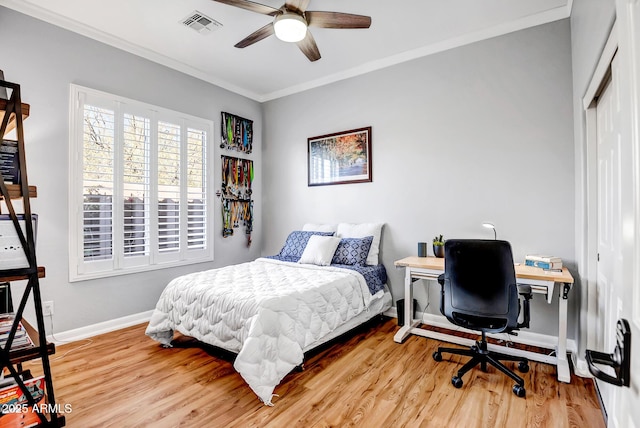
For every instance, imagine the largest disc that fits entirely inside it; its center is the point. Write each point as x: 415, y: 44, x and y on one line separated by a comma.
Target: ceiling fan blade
x: 337, y: 20
x: 309, y: 48
x: 252, y: 6
x: 256, y: 36
x: 296, y: 5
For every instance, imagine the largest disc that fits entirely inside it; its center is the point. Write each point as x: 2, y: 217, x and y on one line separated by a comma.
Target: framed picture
x: 340, y: 158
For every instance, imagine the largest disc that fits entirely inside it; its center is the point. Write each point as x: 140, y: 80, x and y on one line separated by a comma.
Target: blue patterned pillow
x: 352, y: 251
x: 297, y: 241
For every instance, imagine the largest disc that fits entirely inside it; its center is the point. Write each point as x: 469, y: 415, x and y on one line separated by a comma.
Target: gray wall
x: 478, y: 133
x: 44, y: 60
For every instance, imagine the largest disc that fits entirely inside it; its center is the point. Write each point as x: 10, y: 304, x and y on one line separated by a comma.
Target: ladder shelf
x: 12, y: 114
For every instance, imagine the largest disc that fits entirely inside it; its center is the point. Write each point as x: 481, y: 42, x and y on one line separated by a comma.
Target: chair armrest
x: 441, y: 282
x: 525, y: 292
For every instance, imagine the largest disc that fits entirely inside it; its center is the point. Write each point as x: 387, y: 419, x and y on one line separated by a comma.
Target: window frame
x: 119, y: 264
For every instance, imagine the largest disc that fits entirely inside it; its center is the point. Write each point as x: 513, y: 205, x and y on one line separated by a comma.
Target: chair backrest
x: 480, y: 290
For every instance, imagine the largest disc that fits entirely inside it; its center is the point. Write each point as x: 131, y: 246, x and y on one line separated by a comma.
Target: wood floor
x: 124, y: 379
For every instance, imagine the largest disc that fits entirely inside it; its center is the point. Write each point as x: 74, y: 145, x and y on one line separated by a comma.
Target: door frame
x: 587, y: 229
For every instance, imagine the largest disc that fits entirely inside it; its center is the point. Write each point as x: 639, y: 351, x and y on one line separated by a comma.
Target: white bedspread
x: 266, y: 310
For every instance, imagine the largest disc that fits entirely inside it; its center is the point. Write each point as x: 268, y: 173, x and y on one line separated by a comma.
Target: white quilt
x: 267, y: 311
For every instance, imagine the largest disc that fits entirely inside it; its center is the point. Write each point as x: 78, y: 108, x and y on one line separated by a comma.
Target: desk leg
x: 564, y: 375
x: 409, y: 322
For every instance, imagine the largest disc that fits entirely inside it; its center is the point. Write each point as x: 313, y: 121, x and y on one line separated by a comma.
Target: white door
x: 609, y: 223
x: 627, y: 400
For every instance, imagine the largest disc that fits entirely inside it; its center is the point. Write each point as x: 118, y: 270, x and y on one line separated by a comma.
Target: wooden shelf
x: 12, y: 120
x: 20, y: 276
x: 15, y: 191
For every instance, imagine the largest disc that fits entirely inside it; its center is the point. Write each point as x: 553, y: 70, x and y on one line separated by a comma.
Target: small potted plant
x: 438, y: 246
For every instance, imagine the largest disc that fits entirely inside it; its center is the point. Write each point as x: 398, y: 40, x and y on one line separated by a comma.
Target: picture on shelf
x: 12, y: 253
x: 9, y: 162
x: 6, y: 302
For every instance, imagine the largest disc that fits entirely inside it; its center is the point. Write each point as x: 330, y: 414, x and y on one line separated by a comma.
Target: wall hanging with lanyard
x: 237, y: 133
x: 237, y: 203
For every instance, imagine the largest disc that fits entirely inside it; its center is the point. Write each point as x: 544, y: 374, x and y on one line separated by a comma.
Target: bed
x: 272, y: 310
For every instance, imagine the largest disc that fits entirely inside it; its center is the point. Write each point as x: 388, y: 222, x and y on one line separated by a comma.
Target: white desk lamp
x: 491, y: 226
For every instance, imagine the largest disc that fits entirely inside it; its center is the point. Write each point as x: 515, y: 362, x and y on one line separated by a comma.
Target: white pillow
x: 319, y: 250
x: 320, y: 227
x: 346, y: 230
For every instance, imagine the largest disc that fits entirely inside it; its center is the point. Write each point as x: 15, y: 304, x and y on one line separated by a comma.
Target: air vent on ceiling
x: 201, y: 22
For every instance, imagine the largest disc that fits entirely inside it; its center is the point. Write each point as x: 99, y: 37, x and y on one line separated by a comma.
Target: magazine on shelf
x: 16, y: 410
x: 21, y: 339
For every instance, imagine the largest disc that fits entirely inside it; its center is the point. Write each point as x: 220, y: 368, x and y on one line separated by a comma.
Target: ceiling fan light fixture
x: 290, y: 27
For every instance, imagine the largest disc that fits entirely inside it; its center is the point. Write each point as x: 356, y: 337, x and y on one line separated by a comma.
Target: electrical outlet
x: 47, y: 308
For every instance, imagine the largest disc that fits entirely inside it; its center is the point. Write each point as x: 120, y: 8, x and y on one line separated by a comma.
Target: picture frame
x: 340, y: 158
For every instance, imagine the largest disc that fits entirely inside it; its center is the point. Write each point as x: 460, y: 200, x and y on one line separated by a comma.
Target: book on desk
x: 544, y: 262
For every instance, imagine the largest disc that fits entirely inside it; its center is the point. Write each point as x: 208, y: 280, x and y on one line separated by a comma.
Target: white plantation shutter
x: 168, y: 187
x: 138, y: 185
x: 196, y: 185
x: 136, y: 175
x: 98, y: 152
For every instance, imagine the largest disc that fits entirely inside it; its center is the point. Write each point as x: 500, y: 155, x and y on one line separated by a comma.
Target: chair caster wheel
x: 519, y: 390
x: 523, y: 366
x: 456, y: 381
x: 437, y: 356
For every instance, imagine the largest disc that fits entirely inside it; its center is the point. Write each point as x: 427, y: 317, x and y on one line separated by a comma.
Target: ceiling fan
x: 291, y: 21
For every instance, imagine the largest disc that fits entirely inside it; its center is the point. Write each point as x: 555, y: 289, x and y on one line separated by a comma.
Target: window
x: 140, y: 197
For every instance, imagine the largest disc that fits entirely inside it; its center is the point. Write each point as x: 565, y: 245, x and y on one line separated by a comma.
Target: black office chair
x: 479, y: 292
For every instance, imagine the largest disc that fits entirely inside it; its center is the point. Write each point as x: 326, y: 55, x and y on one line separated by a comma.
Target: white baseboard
x: 99, y: 328
x: 580, y: 367
x: 391, y: 312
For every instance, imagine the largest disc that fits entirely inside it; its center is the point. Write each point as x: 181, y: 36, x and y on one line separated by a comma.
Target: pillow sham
x: 320, y: 227
x: 319, y: 250
x: 297, y: 241
x: 352, y: 251
x: 346, y: 230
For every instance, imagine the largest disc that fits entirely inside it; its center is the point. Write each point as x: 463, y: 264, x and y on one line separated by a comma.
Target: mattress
x: 267, y: 311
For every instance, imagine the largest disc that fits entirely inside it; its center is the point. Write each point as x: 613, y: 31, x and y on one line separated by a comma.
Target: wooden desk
x: 541, y: 282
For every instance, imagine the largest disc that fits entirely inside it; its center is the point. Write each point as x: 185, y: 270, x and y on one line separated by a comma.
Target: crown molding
x: 545, y: 17
x: 26, y: 8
